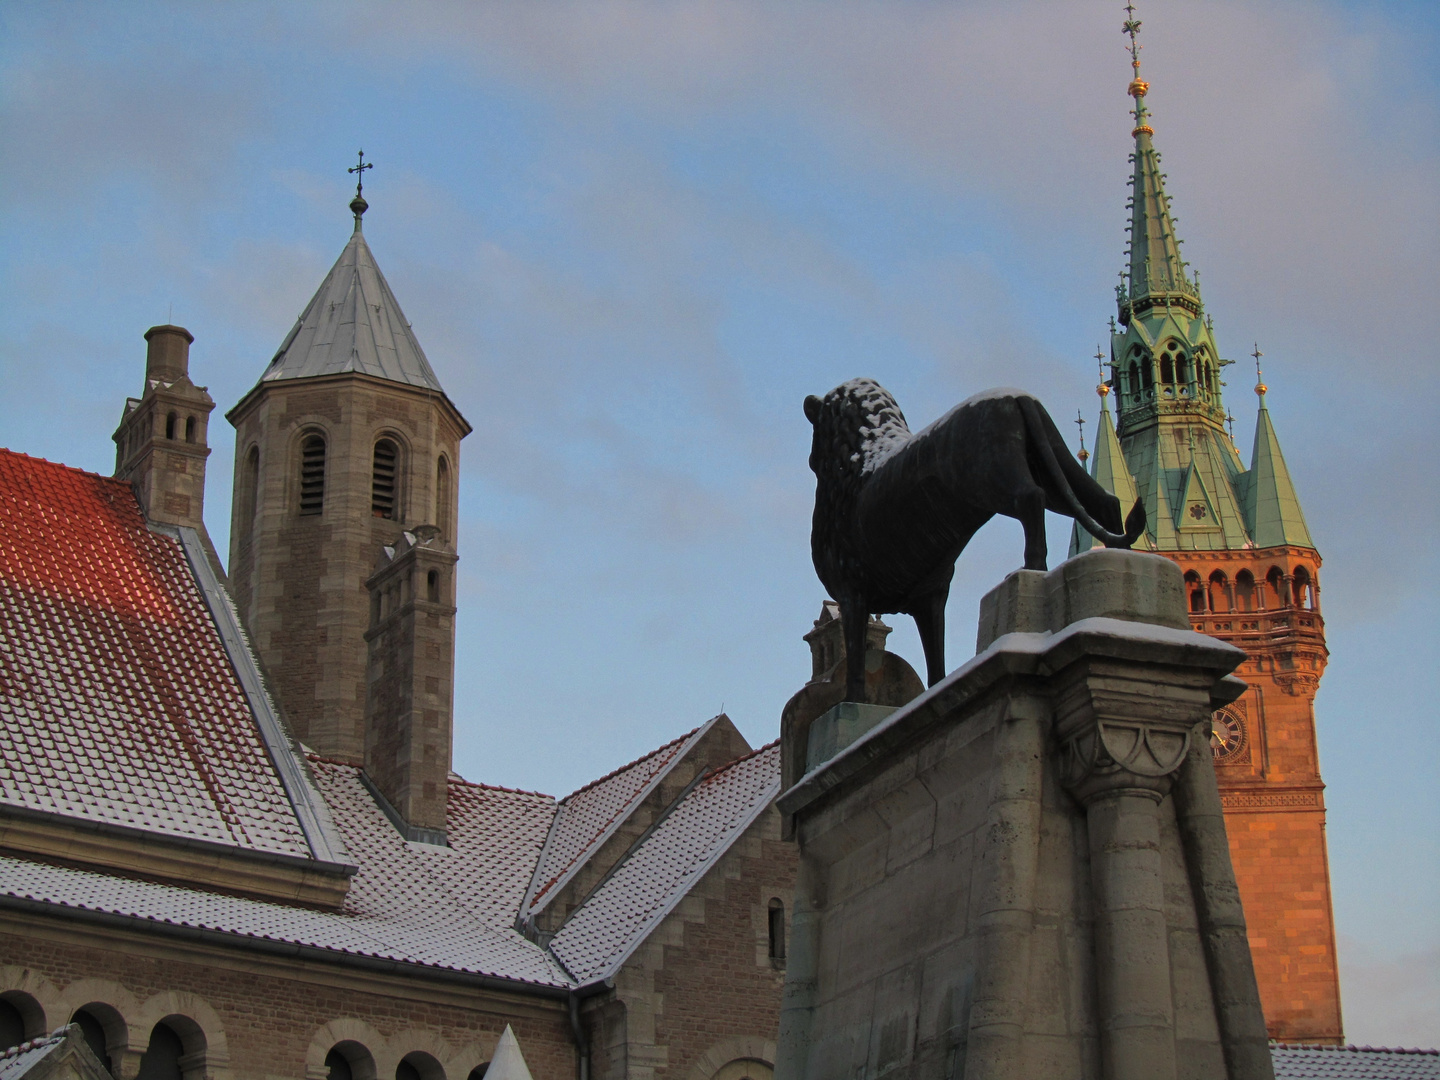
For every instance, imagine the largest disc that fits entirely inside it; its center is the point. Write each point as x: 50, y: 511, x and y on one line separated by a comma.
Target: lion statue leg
x: 854, y: 619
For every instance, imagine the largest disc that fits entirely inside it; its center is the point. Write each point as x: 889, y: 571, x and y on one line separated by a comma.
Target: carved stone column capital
x: 1122, y: 727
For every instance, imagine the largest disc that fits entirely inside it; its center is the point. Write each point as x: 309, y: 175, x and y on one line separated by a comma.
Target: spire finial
x: 358, y: 205
x: 1102, y: 388
x: 1084, y: 454
x: 1138, y: 86
x: 1260, y: 387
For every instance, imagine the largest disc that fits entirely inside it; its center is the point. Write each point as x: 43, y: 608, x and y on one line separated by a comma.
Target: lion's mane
x: 858, y: 427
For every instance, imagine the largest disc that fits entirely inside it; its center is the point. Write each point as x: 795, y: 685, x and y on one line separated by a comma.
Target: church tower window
x: 777, y: 930
x: 442, y: 497
x: 170, y: 426
x: 384, y: 500
x: 249, y: 490
x: 312, y: 474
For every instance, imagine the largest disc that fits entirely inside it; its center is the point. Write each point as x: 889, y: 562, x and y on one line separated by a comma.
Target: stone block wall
x: 1024, y: 873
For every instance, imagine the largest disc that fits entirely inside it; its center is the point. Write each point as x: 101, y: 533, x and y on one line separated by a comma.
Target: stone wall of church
x: 703, y: 992
x: 250, y: 1016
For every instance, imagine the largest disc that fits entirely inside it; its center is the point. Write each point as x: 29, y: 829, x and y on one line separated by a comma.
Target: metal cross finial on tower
x: 1102, y: 388
x: 358, y: 205
x: 1230, y: 419
x: 1084, y: 454
x: 1260, y: 387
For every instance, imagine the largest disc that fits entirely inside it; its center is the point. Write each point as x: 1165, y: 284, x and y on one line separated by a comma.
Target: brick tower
x: 346, y: 441
x: 1252, y: 578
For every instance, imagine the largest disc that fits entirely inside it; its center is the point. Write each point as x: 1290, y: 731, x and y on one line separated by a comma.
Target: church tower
x: 347, y: 442
x: 1252, y: 574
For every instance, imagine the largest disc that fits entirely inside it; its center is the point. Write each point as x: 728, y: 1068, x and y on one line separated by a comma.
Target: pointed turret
x: 1109, y: 469
x: 1272, y: 510
x: 346, y: 444
x: 353, y: 323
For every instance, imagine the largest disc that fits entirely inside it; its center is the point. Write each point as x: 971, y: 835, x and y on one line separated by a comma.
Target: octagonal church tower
x: 347, y: 440
x: 1253, y: 577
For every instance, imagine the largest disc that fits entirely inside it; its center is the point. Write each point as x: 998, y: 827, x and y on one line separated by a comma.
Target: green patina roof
x: 1272, y: 508
x: 1170, y: 446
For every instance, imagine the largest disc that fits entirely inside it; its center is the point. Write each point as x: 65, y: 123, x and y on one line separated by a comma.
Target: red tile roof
x: 118, y: 702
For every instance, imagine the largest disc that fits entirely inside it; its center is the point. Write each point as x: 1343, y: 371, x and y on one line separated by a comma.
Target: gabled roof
x: 64, y: 1054
x: 353, y: 323
x: 119, y: 704
x: 586, y: 818
x: 606, y: 929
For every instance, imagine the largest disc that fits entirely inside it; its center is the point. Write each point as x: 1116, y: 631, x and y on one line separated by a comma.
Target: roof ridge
x: 497, y: 787
x: 736, y: 761
x: 630, y: 764
x: 62, y: 465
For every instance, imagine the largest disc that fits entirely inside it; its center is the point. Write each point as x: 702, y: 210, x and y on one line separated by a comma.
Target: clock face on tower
x: 1227, y: 734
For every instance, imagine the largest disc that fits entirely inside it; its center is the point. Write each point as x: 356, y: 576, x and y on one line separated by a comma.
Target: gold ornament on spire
x: 1138, y: 86
x: 1103, y: 388
x: 1260, y: 387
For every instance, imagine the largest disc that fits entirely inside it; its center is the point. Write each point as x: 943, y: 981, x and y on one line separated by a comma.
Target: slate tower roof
x: 353, y: 323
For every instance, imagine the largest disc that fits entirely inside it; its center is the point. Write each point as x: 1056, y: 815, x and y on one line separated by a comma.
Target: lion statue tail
x: 1041, y: 426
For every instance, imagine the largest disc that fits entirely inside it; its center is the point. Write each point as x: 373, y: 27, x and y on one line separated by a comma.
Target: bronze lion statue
x: 894, y: 510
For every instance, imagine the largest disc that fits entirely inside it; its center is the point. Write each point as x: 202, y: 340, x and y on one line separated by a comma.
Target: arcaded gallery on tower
x: 233, y: 842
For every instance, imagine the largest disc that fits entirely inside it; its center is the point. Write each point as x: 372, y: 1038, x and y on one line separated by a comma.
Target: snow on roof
x: 586, y: 818
x: 603, y: 932
x: 118, y: 701
x: 18, y: 1060
x: 1354, y: 1063
x: 450, y: 908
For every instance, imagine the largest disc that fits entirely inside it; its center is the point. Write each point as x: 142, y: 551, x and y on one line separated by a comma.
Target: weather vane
x: 1084, y: 454
x: 1260, y: 386
x: 359, y: 171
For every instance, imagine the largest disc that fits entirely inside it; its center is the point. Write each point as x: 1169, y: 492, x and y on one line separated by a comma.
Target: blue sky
x: 633, y: 236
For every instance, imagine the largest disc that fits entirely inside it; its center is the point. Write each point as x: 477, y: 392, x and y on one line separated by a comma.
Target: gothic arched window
x: 1167, y: 370
x: 777, y: 929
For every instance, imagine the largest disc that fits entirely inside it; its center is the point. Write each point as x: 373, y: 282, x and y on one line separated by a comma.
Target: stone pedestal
x: 1023, y: 873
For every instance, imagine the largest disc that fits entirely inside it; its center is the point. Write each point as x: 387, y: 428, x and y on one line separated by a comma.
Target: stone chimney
x: 161, y: 444
x: 410, y: 681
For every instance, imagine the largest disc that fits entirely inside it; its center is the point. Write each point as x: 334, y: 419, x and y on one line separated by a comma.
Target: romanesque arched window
x: 248, y: 503
x: 312, y: 474
x: 190, y: 429
x: 170, y: 422
x: 384, y: 480
x: 97, y: 1022
x: 162, y: 1055
x: 418, y: 1065
x: 442, y: 497
x: 349, y: 1060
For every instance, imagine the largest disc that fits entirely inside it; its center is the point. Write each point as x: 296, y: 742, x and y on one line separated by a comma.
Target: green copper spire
x: 1272, y: 509
x: 1170, y: 446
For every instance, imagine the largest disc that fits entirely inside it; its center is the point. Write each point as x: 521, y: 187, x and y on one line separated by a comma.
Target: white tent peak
x: 508, y: 1062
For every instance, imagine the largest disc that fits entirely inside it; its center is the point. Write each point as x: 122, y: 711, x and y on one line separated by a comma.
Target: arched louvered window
x: 384, y: 480
x: 312, y: 474
x: 442, y: 497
